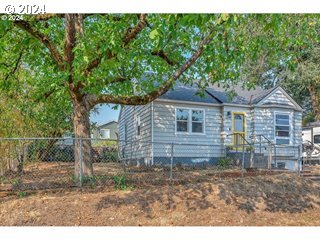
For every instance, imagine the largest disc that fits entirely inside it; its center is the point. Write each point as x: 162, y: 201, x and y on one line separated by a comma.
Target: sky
x: 105, y: 114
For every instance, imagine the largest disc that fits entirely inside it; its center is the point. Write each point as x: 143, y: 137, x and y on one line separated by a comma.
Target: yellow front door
x: 238, y: 128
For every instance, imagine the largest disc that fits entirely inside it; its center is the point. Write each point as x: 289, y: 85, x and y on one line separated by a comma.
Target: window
x: 316, y: 139
x: 197, y: 121
x: 282, y: 128
x: 182, y: 116
x: 189, y: 120
x: 105, y: 133
x: 138, y: 126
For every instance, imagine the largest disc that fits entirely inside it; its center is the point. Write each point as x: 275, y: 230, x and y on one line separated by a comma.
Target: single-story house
x: 200, y: 127
x: 107, y: 130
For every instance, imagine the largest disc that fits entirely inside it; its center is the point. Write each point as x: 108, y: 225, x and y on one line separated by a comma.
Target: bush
x: 16, y: 181
x: 224, y: 162
x: 22, y: 194
x: 105, y: 154
x: 111, y: 156
x: 120, y: 182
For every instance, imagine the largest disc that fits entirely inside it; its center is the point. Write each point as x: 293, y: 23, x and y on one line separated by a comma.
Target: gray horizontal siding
x: 277, y: 98
x: 136, y: 147
x: 164, y: 130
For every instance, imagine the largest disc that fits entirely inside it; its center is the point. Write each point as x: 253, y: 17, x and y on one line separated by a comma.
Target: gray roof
x: 243, y: 96
x: 186, y: 93
x: 216, y: 94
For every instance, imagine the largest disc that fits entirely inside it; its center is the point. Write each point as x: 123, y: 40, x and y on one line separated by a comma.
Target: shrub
x: 16, y: 181
x: 111, y: 156
x: 22, y: 194
x: 120, y: 182
x: 224, y: 162
x: 89, y: 181
x: 3, y: 179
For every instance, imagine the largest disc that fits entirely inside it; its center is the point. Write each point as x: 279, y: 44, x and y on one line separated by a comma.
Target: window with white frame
x: 182, y: 117
x: 105, y: 133
x: 197, y: 121
x: 282, y: 128
x: 189, y: 120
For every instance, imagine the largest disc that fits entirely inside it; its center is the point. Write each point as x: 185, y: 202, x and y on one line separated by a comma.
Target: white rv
x: 311, y: 140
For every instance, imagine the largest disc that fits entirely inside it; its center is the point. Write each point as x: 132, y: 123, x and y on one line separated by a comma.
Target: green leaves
x: 153, y: 34
x: 243, y: 47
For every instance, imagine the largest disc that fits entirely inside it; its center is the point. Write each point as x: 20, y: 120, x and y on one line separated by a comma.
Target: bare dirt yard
x: 283, y: 199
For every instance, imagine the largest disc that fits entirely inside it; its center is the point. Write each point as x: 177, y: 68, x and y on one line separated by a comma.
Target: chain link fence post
x: 80, y: 163
x: 270, y: 156
x: 171, y: 161
x: 131, y: 152
x: 242, y: 168
x: 299, y: 161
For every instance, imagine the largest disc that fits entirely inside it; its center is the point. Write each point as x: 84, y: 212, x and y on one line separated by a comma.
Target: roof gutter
x: 225, y: 104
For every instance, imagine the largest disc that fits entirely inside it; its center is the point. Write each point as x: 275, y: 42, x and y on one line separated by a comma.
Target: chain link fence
x: 43, y: 163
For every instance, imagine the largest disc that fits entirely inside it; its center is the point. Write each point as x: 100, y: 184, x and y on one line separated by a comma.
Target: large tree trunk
x: 315, y: 101
x: 82, y: 149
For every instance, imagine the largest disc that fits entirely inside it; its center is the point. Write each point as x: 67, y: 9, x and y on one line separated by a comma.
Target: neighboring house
x: 106, y: 131
x: 182, y: 117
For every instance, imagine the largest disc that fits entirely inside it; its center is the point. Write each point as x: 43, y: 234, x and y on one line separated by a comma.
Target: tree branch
x: 133, y: 32
x: 95, y: 62
x: 16, y: 66
x: 130, y: 35
x: 149, y: 97
x: 164, y: 56
x: 50, y: 92
x: 44, y: 39
x: 70, y: 39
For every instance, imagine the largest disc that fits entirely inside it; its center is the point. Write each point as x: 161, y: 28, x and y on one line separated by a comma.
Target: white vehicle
x: 311, y: 141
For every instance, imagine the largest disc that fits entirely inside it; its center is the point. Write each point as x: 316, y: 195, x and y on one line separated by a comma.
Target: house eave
x: 202, y: 103
x: 228, y: 104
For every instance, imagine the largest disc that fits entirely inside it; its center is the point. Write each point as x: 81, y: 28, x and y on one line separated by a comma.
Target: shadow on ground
x: 190, y: 197
x: 281, y: 193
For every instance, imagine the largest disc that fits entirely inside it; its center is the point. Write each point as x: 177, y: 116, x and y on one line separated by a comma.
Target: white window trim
x: 290, y: 127
x: 189, y: 132
x: 105, y: 129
